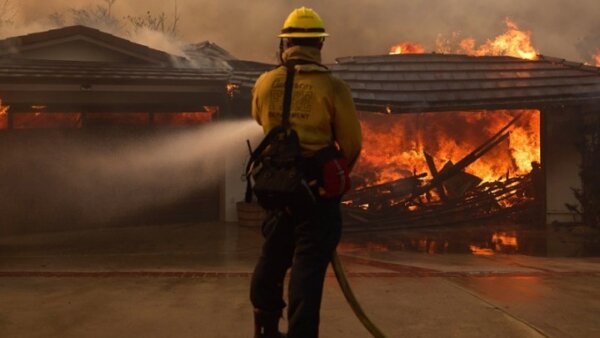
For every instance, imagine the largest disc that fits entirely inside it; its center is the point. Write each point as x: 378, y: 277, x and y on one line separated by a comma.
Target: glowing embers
x: 51, y: 120
x: 185, y: 118
x: 513, y: 42
x: 231, y: 89
x: 478, y: 241
x: 41, y: 120
x: 117, y: 119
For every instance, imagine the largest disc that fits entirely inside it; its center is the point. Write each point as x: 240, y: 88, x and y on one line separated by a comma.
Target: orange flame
x: 407, y: 48
x: 394, y: 145
x: 514, y: 42
x: 597, y: 59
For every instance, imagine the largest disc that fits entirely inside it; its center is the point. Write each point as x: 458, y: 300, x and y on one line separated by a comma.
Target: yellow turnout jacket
x: 322, y: 111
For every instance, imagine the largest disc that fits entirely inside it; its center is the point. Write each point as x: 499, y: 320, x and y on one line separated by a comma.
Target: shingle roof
x: 65, y: 86
x: 146, y: 76
x: 15, y: 44
x: 244, y: 74
x: 400, y: 83
x: 209, y: 54
x: 434, y: 82
x: 50, y: 71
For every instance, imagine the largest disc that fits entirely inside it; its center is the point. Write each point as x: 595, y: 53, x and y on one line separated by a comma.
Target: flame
x: 513, y: 42
x: 407, y: 48
x: 597, y: 59
x: 394, y: 145
x: 524, y: 143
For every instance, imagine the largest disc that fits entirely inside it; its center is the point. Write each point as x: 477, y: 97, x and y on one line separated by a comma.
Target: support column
x: 233, y: 169
x: 151, y: 120
x: 233, y: 188
x: 10, y: 116
x: 562, y: 161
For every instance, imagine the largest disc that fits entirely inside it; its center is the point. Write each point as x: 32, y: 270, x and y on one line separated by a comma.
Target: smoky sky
x: 248, y: 29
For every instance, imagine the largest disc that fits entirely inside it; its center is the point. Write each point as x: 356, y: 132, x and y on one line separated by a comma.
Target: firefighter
x: 323, y: 115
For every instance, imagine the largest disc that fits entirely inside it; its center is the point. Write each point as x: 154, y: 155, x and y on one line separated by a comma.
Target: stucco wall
x: 54, y: 180
x: 562, y: 161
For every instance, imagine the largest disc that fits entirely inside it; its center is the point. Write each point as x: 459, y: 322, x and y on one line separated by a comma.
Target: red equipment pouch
x: 333, y: 172
x: 336, y: 177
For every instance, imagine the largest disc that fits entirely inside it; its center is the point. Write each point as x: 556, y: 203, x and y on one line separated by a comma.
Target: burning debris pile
x: 390, y: 195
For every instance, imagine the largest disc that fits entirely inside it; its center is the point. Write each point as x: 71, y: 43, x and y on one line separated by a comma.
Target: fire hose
x: 351, y: 299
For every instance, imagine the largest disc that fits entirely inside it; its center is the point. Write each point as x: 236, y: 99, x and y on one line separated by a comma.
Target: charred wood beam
x: 397, y: 188
x: 434, y: 174
x: 395, y: 224
x: 485, y: 202
x: 458, y: 167
x: 470, y: 158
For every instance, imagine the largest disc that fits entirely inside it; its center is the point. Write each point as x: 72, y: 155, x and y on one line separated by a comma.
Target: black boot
x: 266, y: 324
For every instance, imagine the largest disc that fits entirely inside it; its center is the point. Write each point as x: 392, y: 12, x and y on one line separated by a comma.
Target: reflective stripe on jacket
x: 321, y: 107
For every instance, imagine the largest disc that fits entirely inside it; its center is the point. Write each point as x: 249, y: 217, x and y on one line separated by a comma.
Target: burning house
x: 447, y: 137
x: 80, y: 88
x: 435, y: 109
x: 451, y: 138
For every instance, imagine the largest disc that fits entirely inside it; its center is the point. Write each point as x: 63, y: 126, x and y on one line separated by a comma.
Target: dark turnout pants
x: 305, y: 244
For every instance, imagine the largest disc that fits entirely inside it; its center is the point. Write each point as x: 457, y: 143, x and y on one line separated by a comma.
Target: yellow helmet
x: 303, y: 23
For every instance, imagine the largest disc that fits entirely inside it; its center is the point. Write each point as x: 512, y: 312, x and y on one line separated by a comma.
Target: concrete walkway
x: 192, y: 281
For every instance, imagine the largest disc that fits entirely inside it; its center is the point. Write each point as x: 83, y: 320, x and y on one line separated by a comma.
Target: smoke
x: 94, y: 177
x: 156, y: 29
x: 158, y: 40
x: 248, y: 29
